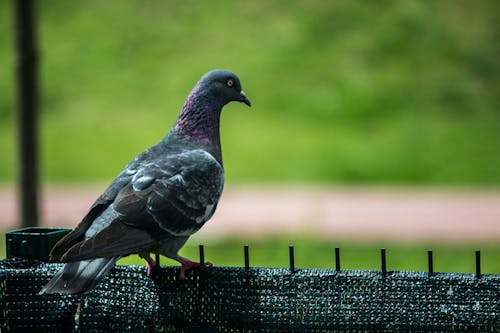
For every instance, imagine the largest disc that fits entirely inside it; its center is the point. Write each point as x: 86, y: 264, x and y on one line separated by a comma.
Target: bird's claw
x: 188, y: 265
x: 152, y: 268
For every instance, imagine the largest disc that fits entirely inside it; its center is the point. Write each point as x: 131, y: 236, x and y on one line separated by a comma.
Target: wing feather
x: 99, y: 206
x: 117, y: 239
x: 174, y: 196
x: 178, y: 199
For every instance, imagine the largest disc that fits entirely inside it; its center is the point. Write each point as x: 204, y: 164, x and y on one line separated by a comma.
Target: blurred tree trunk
x: 27, y: 109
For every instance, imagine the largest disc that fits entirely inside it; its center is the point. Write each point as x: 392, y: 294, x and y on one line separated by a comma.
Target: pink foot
x: 151, y: 267
x: 187, y: 264
x: 150, y: 264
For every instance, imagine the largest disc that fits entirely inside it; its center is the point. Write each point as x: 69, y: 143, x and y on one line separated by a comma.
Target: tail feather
x: 80, y: 276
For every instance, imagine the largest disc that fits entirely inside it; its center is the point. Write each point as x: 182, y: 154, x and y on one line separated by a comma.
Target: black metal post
x: 384, y: 262
x: 202, y: 255
x: 247, y: 257
x: 430, y: 261
x: 292, y: 258
x: 337, y: 259
x: 27, y: 113
x: 478, y: 264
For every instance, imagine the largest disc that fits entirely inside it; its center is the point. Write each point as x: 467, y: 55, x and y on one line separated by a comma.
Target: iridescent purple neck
x: 200, y: 118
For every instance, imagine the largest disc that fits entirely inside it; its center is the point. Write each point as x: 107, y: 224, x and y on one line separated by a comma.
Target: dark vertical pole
x: 202, y: 255
x: 478, y: 264
x: 337, y: 259
x: 384, y: 261
x: 430, y: 262
x: 292, y: 258
x: 247, y: 257
x: 26, y: 104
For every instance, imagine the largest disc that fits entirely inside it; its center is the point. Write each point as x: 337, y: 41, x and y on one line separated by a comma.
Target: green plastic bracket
x: 33, y: 243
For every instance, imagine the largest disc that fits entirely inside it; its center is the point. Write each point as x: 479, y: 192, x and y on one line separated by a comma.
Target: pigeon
x: 159, y: 200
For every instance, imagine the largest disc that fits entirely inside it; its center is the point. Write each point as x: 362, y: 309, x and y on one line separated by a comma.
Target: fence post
x: 478, y: 264
x: 292, y: 259
x: 384, y: 262
x: 27, y: 113
x: 430, y: 263
x: 202, y: 255
x: 247, y: 257
x: 337, y: 259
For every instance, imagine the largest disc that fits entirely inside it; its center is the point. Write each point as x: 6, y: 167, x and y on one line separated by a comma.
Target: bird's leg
x: 150, y: 263
x: 187, y: 264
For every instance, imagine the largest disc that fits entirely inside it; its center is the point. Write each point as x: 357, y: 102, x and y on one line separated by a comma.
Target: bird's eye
x: 230, y: 82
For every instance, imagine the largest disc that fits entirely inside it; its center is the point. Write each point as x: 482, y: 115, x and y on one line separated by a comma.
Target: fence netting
x: 232, y: 299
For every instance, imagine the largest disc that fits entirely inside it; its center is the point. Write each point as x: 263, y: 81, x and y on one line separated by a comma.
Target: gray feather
x: 79, y: 277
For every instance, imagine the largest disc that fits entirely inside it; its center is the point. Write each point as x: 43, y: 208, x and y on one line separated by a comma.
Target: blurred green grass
x: 319, y: 253
x: 343, y: 92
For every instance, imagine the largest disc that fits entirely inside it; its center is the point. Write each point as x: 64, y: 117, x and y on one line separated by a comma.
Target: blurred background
x: 373, y: 123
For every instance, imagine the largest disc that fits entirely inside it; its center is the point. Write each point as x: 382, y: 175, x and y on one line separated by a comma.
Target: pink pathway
x: 332, y: 212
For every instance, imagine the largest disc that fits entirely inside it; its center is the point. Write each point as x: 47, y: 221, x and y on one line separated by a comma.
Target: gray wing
x: 178, y: 196
x: 97, y: 208
x: 175, y: 196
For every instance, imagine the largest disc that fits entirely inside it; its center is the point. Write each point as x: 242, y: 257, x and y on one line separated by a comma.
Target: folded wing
x: 173, y: 196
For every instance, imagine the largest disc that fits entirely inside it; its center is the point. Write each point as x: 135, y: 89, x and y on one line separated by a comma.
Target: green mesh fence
x: 230, y: 299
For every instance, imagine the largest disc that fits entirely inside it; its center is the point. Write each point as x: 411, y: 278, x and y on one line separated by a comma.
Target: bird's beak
x: 244, y: 99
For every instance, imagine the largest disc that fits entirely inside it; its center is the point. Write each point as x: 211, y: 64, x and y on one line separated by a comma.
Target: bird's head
x: 223, y: 85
